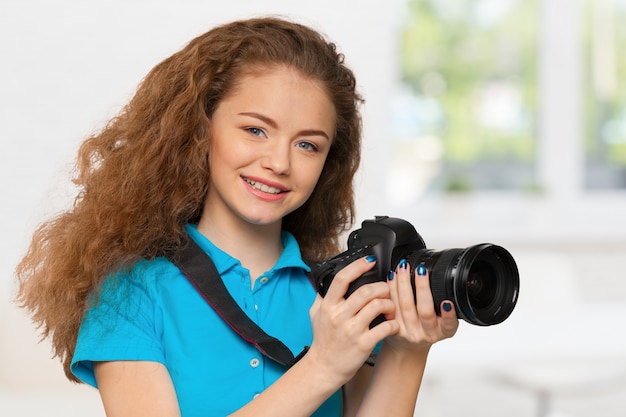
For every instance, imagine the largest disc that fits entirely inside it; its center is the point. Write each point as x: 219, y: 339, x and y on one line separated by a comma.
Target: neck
x: 257, y: 247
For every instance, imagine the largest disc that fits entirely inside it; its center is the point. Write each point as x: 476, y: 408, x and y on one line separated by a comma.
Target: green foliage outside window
x: 605, y: 40
x: 474, y: 63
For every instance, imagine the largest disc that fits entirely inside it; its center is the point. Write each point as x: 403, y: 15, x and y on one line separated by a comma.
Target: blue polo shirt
x: 153, y: 313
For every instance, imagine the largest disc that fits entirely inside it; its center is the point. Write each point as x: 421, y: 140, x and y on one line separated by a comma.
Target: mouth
x: 263, y: 187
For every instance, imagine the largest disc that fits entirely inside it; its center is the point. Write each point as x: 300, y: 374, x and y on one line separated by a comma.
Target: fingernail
x: 390, y: 275
x: 447, y: 306
x: 370, y: 258
x: 421, y: 270
x: 403, y: 263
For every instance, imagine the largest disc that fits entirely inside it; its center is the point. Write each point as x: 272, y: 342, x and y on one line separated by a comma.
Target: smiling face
x: 269, y: 140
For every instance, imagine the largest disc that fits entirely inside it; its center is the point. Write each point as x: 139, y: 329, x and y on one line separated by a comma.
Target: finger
x: 383, y: 330
x: 449, y: 320
x: 365, y: 294
x: 339, y: 286
x: 424, y: 297
x: 372, y: 310
x: 392, y: 282
x: 406, y: 300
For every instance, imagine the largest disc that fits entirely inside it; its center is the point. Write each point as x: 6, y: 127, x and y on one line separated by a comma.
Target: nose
x: 278, y: 158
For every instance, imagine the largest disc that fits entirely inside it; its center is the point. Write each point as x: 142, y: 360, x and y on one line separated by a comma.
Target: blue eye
x: 255, y: 131
x: 308, y: 146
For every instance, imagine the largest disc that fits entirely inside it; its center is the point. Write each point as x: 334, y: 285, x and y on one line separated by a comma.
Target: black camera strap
x: 200, y: 270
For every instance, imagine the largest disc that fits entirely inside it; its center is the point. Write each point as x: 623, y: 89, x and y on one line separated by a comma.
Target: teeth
x: 262, y: 187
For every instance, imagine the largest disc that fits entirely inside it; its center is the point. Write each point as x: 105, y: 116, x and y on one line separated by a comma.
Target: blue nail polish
x: 390, y: 275
x: 370, y: 258
x: 447, y: 306
x: 403, y: 263
x: 421, y: 270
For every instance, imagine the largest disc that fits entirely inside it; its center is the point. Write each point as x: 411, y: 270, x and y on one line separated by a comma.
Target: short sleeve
x: 120, y: 324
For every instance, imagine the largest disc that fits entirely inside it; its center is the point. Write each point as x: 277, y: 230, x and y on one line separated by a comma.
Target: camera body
x: 384, y: 237
x: 481, y: 280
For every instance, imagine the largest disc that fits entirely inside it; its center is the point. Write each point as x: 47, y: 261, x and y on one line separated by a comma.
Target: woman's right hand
x: 342, y: 338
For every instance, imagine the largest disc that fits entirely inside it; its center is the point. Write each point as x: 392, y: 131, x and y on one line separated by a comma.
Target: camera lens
x: 481, y: 284
x: 481, y: 280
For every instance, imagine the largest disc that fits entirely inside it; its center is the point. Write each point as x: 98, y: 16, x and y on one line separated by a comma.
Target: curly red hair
x: 146, y: 174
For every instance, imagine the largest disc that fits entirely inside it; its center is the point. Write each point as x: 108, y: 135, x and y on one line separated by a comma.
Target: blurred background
x: 499, y: 121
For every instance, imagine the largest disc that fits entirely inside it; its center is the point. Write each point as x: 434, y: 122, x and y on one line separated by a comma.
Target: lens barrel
x: 482, y: 281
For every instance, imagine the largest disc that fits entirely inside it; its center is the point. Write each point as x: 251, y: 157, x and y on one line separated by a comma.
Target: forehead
x: 283, y: 92
x: 282, y: 72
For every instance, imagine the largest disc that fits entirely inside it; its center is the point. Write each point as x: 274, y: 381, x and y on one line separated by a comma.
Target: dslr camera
x: 481, y: 280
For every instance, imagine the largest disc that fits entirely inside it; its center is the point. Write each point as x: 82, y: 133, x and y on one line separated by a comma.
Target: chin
x: 263, y: 221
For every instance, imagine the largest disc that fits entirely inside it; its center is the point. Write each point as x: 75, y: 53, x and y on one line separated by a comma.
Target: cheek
x: 226, y: 155
x: 313, y: 175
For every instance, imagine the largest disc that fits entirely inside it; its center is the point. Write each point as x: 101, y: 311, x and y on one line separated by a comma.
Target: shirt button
x: 263, y: 280
x: 256, y: 307
x: 254, y: 362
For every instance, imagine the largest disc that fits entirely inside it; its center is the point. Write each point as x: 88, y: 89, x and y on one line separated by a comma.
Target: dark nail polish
x: 421, y: 270
x: 370, y: 258
x: 390, y: 275
x: 403, y: 264
x: 447, y: 307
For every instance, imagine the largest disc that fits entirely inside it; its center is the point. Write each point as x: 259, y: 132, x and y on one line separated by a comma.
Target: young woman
x: 247, y: 141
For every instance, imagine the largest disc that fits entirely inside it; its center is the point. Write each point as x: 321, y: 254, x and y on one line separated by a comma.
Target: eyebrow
x: 272, y: 123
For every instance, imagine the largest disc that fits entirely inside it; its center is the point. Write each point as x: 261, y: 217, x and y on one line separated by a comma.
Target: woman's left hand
x: 420, y: 327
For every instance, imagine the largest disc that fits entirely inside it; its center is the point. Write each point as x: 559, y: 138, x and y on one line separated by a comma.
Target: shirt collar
x: 289, y: 258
